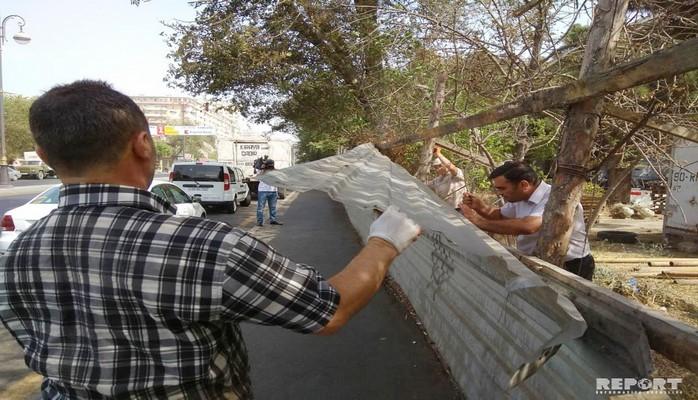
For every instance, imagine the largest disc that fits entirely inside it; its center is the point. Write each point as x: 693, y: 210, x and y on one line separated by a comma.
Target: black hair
x: 84, y: 124
x: 515, y: 171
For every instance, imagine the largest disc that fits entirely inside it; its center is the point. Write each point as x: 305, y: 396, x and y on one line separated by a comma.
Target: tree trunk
x: 616, y: 178
x: 438, y: 97
x: 578, y: 134
x: 621, y: 180
x: 523, y: 141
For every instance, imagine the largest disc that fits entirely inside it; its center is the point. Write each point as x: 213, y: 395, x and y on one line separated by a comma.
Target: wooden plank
x: 681, y: 270
x: 665, y: 275
x: 687, y: 282
x: 664, y: 63
x: 664, y: 127
x: 684, y: 270
x: 674, y: 263
x: 626, y: 260
x: 672, y: 338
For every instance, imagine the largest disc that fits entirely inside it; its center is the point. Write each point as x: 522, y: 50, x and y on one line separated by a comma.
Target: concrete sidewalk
x: 380, y: 354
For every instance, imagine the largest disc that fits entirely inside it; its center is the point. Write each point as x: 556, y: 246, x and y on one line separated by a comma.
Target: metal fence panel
x: 485, y: 311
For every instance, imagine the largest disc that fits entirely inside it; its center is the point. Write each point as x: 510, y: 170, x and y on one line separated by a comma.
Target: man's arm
x: 452, y: 169
x: 490, y: 213
x: 389, y: 235
x: 509, y: 226
x: 264, y: 287
x: 359, y: 281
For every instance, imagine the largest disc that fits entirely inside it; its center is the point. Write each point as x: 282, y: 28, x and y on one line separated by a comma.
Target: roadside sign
x: 181, y: 130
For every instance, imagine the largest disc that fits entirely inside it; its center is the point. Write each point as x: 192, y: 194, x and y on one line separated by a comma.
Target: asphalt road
x: 380, y: 354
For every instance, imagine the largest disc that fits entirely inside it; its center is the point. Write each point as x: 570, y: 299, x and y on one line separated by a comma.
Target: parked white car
x: 21, y: 218
x: 187, y: 206
x: 217, y: 183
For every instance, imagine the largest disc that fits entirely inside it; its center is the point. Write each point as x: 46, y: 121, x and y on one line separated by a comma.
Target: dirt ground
x: 675, y: 297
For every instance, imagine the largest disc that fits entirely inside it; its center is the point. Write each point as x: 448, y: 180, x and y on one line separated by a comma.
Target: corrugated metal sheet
x: 486, y: 312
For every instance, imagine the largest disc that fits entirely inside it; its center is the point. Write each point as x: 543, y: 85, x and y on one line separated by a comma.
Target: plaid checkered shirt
x: 111, y: 295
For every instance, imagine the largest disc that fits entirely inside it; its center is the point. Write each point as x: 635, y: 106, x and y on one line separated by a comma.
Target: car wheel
x: 248, y: 200
x: 40, y: 175
x: 233, y: 207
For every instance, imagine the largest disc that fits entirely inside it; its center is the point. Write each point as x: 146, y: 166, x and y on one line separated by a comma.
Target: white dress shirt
x: 534, y: 206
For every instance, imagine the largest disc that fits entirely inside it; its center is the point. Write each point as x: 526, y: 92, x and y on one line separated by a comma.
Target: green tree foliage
x: 171, y: 148
x: 18, y: 137
x: 344, y: 72
x: 318, y: 67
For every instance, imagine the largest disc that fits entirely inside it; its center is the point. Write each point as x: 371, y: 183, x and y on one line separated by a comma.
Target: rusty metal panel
x: 485, y: 311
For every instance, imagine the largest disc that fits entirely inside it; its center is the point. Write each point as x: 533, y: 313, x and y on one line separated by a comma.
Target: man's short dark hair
x: 84, y: 124
x: 515, y: 171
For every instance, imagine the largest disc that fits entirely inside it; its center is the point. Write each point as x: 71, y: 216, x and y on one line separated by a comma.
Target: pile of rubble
x: 623, y: 211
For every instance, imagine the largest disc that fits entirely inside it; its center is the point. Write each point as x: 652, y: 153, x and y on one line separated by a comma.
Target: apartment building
x: 167, y: 110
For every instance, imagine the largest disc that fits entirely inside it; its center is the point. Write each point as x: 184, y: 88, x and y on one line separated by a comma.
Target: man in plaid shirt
x: 111, y: 295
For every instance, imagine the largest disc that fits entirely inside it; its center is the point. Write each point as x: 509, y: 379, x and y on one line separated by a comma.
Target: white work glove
x: 395, y: 228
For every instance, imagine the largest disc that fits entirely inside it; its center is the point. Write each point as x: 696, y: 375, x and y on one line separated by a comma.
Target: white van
x: 215, y: 183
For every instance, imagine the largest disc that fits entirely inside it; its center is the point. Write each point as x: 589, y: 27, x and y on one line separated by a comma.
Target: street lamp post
x: 20, y: 38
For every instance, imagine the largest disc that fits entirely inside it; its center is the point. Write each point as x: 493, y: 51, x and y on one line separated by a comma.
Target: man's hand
x: 473, y: 202
x: 470, y: 214
x: 395, y: 228
x: 436, y: 150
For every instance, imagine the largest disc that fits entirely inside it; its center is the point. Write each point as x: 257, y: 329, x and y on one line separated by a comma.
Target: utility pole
x: 20, y: 38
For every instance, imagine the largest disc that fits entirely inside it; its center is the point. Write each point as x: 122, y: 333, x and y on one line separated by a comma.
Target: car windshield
x: 199, y: 173
x: 48, y: 197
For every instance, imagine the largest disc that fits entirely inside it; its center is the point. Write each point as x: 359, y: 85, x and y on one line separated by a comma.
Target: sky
x: 110, y: 40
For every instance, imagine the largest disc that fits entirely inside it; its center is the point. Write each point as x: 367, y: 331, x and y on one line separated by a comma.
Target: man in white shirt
x: 522, y: 215
x: 267, y: 194
x: 449, y: 183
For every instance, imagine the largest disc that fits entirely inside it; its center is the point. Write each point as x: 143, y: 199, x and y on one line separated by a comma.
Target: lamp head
x: 21, y: 38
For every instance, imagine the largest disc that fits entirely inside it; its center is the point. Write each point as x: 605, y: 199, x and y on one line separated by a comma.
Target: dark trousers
x: 583, y: 267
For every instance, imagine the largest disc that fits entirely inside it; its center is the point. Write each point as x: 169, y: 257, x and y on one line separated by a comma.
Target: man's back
x: 108, y: 295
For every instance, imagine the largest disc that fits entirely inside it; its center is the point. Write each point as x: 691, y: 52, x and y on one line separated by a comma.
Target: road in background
x: 34, y: 182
